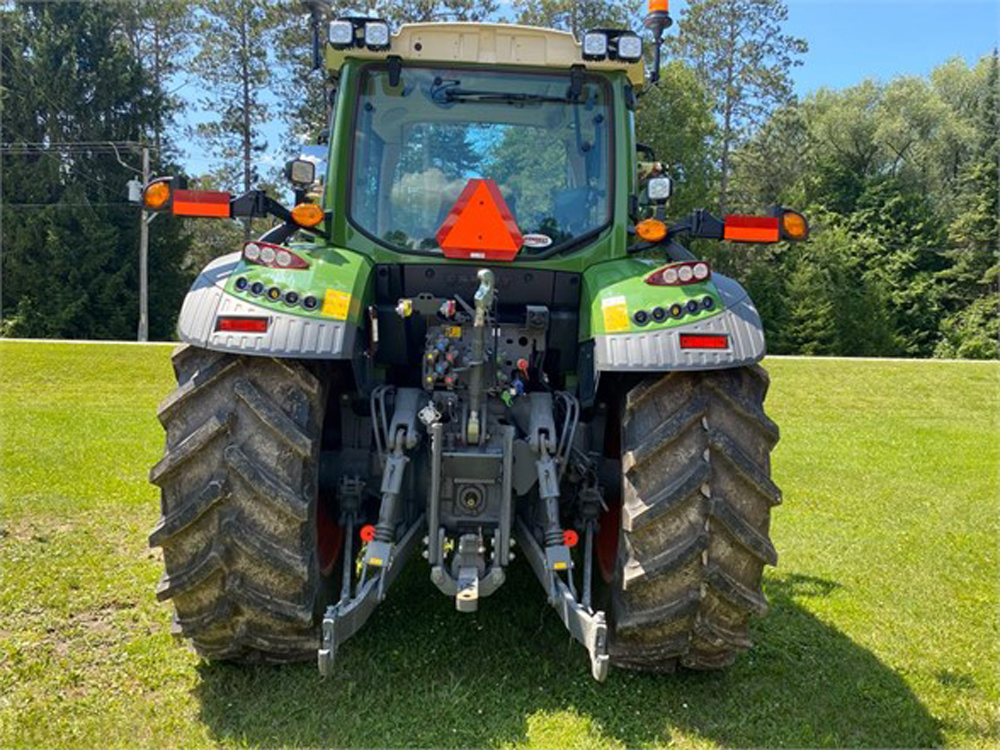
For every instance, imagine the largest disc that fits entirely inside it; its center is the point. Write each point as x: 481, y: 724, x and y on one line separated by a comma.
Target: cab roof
x: 486, y: 43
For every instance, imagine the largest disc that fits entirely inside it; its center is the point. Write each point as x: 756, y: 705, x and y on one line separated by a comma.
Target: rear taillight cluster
x: 680, y: 274
x: 272, y: 256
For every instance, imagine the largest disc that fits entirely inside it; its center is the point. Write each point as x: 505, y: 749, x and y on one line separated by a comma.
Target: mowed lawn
x: 882, y: 630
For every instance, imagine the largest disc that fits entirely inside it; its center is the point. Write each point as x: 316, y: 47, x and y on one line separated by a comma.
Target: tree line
x: 898, y: 178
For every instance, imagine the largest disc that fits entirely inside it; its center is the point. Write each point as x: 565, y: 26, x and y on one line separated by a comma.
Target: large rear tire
x: 238, y: 486
x: 695, y: 516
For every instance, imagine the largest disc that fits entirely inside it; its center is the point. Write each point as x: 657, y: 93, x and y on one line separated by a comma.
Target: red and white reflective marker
x: 204, y: 203
x: 751, y: 229
x: 480, y: 226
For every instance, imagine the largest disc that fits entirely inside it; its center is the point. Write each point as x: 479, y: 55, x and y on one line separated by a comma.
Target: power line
x: 70, y: 205
x: 48, y: 153
x: 60, y: 145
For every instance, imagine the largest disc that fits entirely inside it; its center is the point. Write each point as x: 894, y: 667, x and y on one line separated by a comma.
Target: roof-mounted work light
x: 356, y: 32
x: 595, y: 45
x: 612, y: 44
x: 341, y: 34
x: 630, y: 47
x: 377, y: 35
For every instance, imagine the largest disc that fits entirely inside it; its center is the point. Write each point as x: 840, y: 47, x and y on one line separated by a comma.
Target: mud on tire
x: 238, y: 486
x: 696, y: 502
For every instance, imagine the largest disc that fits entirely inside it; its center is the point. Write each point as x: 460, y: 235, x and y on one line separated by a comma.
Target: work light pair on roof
x: 348, y: 33
x: 612, y: 44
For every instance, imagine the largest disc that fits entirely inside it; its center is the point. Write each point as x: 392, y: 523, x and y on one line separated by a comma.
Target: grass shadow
x: 422, y: 675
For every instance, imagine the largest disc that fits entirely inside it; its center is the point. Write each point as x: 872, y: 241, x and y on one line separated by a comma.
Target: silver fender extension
x: 287, y: 335
x: 659, y: 350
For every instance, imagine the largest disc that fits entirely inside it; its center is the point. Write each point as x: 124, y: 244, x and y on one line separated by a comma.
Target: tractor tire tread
x: 238, y: 484
x: 696, y: 504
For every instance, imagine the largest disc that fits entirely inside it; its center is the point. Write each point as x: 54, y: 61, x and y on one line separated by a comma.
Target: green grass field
x: 882, y: 630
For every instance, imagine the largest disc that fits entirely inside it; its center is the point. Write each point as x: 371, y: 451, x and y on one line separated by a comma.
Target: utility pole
x: 144, y: 218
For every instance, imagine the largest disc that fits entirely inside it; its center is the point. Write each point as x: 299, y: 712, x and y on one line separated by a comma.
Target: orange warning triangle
x: 480, y: 225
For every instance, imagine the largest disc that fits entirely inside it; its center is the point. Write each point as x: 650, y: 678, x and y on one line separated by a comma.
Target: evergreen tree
x: 972, y: 328
x: 72, y: 83
x: 236, y: 66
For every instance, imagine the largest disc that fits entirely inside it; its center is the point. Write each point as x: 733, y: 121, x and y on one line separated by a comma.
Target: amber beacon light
x: 657, y: 21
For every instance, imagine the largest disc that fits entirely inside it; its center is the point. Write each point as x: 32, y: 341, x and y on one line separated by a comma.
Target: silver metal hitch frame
x: 585, y: 625
x: 346, y: 618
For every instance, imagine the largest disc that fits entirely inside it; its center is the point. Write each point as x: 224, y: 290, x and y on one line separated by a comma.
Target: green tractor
x: 475, y: 336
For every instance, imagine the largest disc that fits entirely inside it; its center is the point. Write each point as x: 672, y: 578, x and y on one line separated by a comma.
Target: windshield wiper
x: 454, y: 95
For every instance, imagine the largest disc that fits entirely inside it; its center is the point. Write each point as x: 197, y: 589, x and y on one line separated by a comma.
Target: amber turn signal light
x: 651, y: 230
x: 156, y: 196
x: 307, y: 215
x: 794, y: 226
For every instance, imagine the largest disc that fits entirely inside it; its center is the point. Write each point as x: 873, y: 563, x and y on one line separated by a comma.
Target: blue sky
x: 849, y: 40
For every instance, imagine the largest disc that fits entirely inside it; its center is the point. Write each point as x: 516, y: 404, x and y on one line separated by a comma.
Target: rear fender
x: 339, y: 280
x: 615, y: 293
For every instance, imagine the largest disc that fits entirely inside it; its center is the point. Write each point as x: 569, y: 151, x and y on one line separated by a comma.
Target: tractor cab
x: 425, y: 116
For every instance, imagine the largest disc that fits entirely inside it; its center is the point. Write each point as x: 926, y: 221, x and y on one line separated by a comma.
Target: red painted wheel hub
x: 329, y: 538
x: 607, y: 541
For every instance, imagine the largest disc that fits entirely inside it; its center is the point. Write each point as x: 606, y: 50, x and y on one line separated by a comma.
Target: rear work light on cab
x: 704, y: 341
x: 612, y: 44
x: 347, y: 33
x: 680, y: 274
x: 272, y: 256
x: 240, y: 324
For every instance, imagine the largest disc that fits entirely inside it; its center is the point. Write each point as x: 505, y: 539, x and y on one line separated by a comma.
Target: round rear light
x: 685, y: 274
x: 283, y: 258
x: 257, y: 288
x: 708, y: 303
x: 252, y: 252
x: 310, y: 303
x: 241, y: 283
x: 659, y: 314
x: 267, y: 255
x: 670, y: 276
x: 701, y: 271
x: 274, y: 294
x: 693, y: 306
x: 677, y: 310
x: 641, y: 317
x: 291, y: 298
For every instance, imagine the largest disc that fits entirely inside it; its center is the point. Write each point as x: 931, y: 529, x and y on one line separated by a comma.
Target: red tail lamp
x: 241, y: 324
x: 680, y: 274
x: 704, y: 341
